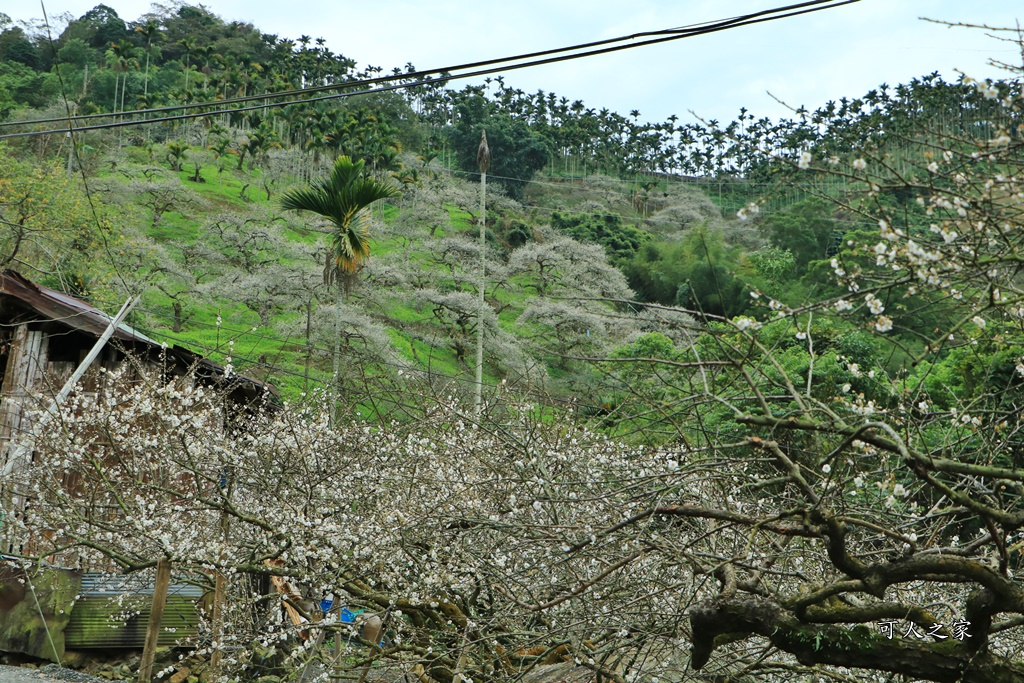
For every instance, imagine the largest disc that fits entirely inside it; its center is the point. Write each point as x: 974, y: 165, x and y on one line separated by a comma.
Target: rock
x: 74, y: 659
x: 35, y: 625
x: 181, y: 674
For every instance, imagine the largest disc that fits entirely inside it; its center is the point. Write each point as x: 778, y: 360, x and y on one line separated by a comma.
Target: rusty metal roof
x: 56, y: 307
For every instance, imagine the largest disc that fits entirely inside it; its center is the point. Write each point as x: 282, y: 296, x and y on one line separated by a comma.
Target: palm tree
x: 187, y: 44
x: 342, y: 198
x: 149, y: 30
x: 121, y: 56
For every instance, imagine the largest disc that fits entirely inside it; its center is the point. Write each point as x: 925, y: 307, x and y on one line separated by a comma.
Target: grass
x: 218, y: 328
x: 175, y: 228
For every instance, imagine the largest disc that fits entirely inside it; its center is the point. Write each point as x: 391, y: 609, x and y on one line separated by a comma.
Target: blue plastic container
x: 348, y: 616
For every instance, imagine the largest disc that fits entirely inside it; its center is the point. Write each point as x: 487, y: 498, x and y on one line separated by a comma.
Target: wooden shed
x: 45, y: 335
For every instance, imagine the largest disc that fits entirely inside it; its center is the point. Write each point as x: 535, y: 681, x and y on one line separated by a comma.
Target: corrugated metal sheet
x: 113, y: 612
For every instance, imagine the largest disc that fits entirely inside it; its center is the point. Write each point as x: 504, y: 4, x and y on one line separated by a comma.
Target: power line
x: 493, y: 67
x: 444, y: 72
x: 387, y: 79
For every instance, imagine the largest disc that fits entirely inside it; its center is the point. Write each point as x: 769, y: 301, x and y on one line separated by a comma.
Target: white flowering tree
x: 874, y: 434
x: 829, y: 491
x: 486, y: 547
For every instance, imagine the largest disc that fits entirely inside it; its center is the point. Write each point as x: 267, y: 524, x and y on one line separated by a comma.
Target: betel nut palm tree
x: 342, y: 198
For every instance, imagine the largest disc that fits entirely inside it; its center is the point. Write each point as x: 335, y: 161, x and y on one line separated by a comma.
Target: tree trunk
x: 337, y: 354
x: 716, y: 622
x: 178, y: 317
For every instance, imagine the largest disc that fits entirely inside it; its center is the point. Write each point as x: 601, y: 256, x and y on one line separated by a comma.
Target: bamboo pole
x: 156, y: 617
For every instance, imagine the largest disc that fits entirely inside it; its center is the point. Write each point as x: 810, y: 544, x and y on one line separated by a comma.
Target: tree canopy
x: 784, y: 446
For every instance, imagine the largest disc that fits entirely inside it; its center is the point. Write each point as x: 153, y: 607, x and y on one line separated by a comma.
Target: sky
x: 806, y: 60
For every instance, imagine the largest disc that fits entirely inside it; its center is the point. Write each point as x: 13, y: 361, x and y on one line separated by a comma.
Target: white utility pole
x: 483, y: 160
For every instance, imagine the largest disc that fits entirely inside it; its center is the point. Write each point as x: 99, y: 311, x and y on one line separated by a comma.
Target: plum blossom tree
x: 831, y: 492
x: 562, y: 265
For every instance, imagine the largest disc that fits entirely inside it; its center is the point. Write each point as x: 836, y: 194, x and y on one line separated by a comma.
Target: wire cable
x: 382, y: 79
x: 444, y: 71
x: 662, y: 37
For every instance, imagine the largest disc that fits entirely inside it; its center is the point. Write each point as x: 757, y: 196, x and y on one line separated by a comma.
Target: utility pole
x: 483, y: 161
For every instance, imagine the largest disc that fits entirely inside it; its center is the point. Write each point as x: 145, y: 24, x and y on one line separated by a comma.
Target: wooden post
x: 156, y: 617
x: 23, y: 379
x: 219, y: 595
x: 338, y: 672
x: 220, y: 585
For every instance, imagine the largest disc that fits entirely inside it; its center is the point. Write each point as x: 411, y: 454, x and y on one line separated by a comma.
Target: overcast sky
x: 804, y: 60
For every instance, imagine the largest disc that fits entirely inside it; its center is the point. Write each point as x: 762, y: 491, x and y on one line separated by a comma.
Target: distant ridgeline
x: 186, y: 54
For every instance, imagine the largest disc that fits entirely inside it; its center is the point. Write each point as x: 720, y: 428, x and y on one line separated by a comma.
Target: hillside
x: 754, y: 390
x: 223, y: 269
x: 582, y: 205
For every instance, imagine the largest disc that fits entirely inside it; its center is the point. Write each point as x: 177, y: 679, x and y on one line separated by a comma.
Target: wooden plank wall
x: 25, y: 366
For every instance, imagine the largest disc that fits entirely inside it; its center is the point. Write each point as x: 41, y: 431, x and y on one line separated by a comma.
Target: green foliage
x: 619, y: 241
x: 403, y: 125
x: 177, y: 151
x: 98, y: 27
x: 16, y: 47
x: 518, y: 233
x: 516, y: 151
x: 77, y: 53
x: 807, y: 230
x: 341, y: 198
x: 982, y: 373
x: 773, y: 263
x: 696, y: 273
x: 20, y: 85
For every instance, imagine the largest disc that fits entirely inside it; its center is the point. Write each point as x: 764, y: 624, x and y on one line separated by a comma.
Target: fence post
x: 220, y: 586
x: 156, y: 617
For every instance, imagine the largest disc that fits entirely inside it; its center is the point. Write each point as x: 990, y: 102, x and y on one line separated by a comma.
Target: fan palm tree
x: 342, y: 198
